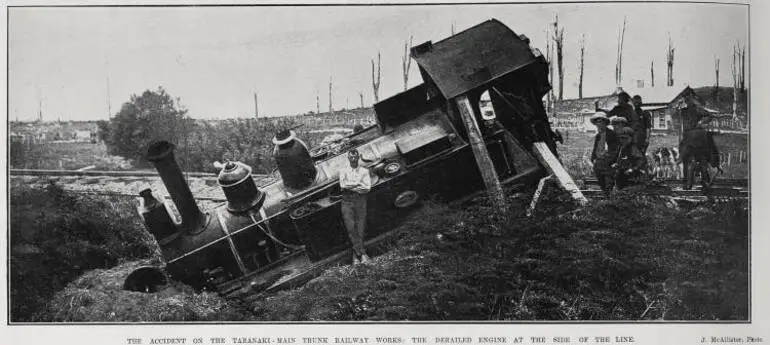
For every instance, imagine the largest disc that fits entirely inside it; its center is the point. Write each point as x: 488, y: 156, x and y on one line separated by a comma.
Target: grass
x: 97, y: 296
x: 67, y: 156
x: 632, y: 257
x: 57, y: 236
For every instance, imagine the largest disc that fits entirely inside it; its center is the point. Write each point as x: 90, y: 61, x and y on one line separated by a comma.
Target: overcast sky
x: 215, y: 58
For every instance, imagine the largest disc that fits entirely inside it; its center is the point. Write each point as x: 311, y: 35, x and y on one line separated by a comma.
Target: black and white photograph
x: 380, y: 163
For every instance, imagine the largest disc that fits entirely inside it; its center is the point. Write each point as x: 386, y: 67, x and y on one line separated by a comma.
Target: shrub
x: 56, y: 236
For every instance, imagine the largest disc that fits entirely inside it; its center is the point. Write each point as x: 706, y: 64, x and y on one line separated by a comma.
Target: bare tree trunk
x: 558, y: 38
x: 670, y: 62
x: 582, y: 55
x: 736, y: 79
x: 548, y: 58
x: 376, y: 79
x: 652, y: 73
x: 256, y: 106
x: 716, y: 81
x: 406, y: 62
x: 330, y: 95
x: 619, y: 62
x: 743, y: 68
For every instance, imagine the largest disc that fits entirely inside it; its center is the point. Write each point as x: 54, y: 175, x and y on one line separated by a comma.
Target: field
x: 66, y: 156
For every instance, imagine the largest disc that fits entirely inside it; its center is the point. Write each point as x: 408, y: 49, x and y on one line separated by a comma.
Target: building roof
x: 653, y: 96
x: 656, y: 95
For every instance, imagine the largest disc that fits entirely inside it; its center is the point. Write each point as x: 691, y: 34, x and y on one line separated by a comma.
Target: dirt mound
x: 98, y: 295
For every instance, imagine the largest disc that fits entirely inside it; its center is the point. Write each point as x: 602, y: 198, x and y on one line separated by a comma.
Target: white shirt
x: 357, y: 180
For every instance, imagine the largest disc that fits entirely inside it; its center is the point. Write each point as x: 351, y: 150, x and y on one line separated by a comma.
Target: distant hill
x: 722, y: 100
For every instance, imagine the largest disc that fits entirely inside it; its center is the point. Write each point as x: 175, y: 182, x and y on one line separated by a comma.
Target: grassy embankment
x: 626, y: 258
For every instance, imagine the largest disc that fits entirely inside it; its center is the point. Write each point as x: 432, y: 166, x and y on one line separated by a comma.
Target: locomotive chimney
x: 161, y: 154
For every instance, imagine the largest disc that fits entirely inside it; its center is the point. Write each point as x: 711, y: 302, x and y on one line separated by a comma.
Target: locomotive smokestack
x: 161, y: 154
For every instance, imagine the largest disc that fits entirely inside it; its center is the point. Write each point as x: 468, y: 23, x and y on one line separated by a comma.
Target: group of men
x: 618, y: 154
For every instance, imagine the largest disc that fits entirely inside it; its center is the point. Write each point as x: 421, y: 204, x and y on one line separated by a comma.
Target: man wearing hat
x: 605, y: 145
x: 293, y: 160
x: 355, y: 183
x: 617, y: 123
x: 629, y: 162
x: 622, y: 109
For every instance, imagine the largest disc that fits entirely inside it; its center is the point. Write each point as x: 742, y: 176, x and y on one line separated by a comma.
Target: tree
x: 716, y: 80
x: 743, y: 68
x: 330, y: 96
x: 652, y: 73
x: 143, y: 120
x: 619, y: 62
x: 670, y: 62
x: 256, y: 106
x: 736, y: 71
x: 361, y: 95
x: 376, y: 79
x: 558, y: 38
x: 582, y: 54
x: 406, y: 62
x: 548, y: 49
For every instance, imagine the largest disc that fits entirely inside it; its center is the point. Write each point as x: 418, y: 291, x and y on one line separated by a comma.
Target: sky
x: 81, y: 62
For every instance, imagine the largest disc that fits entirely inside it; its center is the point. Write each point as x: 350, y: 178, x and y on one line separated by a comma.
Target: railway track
x: 129, y: 183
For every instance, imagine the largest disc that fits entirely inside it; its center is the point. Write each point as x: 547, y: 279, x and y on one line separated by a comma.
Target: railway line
x: 129, y: 183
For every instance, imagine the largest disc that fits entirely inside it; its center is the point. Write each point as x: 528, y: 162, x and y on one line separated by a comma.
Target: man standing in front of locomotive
x: 355, y: 183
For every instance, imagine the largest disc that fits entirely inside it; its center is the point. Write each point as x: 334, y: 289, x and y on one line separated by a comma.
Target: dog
x: 665, y: 163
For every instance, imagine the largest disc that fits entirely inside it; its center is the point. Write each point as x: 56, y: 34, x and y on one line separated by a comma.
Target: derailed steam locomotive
x: 283, y: 233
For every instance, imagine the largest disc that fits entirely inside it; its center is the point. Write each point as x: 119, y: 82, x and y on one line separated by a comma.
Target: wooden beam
x: 479, y: 147
x: 546, y: 157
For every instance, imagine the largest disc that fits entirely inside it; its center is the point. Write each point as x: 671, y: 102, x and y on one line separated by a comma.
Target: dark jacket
x: 626, y: 111
x: 629, y: 157
x: 612, y: 143
x: 698, y: 144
